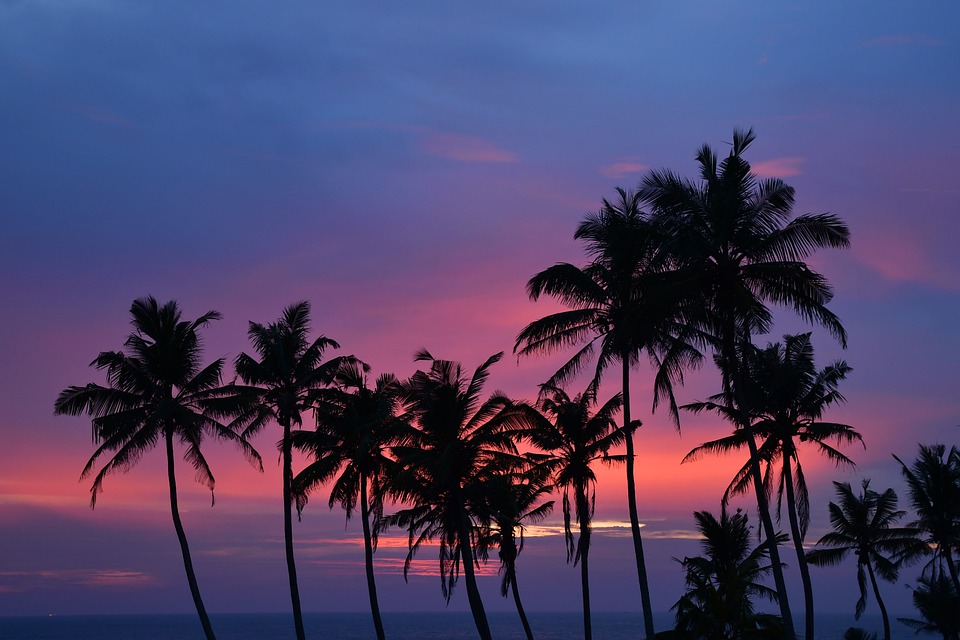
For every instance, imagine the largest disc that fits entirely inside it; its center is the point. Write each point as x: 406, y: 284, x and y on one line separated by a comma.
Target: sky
x: 406, y: 167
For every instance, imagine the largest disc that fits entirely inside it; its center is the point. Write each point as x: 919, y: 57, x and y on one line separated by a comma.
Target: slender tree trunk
x: 952, y: 567
x: 288, y: 529
x: 883, y: 609
x: 368, y: 558
x: 737, y: 385
x: 798, y: 545
x: 182, y: 537
x: 632, y: 507
x: 470, y: 576
x: 516, y: 600
x: 583, y: 546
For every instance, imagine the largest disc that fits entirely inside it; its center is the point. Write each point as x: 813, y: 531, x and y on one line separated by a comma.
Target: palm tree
x: 288, y: 374
x: 864, y: 524
x: 514, y: 501
x: 356, y: 425
x: 157, y: 390
x: 723, y: 583
x: 620, y: 305
x: 937, y: 603
x: 737, y: 248
x: 788, y: 397
x: 576, y: 439
x: 934, y: 485
x: 459, y: 443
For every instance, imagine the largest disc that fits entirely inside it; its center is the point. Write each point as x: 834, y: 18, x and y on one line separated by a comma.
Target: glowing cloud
x: 778, y: 167
x: 623, y: 168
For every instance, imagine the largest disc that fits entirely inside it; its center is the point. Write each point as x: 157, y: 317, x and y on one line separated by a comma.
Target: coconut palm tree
x: 738, y: 247
x: 459, y: 442
x: 515, y: 501
x: 157, y: 390
x: 864, y: 524
x: 723, y: 584
x: 788, y: 397
x: 933, y: 481
x: 621, y: 304
x: 287, y: 373
x: 356, y: 425
x: 576, y: 439
x: 938, y: 605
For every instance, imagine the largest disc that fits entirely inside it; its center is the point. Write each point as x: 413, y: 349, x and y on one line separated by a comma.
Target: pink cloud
x: 899, y: 255
x: 779, y: 167
x: 623, y: 168
x: 465, y: 148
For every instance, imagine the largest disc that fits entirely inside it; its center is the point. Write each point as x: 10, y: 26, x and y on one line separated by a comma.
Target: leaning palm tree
x: 788, y: 397
x: 576, y: 439
x: 934, y: 486
x: 723, y: 584
x: 356, y: 425
x: 287, y: 375
x: 458, y: 443
x: 737, y: 248
x: 864, y: 524
x: 157, y: 390
x: 515, y: 500
x: 621, y: 304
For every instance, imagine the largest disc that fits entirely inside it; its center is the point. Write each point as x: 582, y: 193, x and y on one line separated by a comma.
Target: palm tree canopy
x: 933, y: 481
x: 155, y: 387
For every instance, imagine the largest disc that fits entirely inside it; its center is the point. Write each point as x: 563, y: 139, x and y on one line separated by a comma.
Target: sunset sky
x: 406, y: 167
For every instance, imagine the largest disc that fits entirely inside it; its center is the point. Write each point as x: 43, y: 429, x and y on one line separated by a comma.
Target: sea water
x: 358, y: 626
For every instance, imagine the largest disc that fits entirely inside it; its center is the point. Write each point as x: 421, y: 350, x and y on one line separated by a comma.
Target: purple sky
x: 407, y: 167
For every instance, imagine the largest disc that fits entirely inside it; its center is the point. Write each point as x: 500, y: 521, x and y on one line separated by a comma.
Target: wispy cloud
x: 465, y: 148
x: 623, y: 168
x: 779, y: 167
x: 86, y: 577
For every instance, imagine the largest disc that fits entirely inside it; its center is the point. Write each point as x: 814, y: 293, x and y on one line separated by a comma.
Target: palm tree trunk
x: 182, y: 537
x: 583, y: 549
x: 734, y: 380
x: 470, y: 577
x: 632, y: 507
x: 288, y: 530
x: 798, y: 545
x: 516, y: 600
x: 368, y: 558
x: 883, y: 609
x: 952, y: 567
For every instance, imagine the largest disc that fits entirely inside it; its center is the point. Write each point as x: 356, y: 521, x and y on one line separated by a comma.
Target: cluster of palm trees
x: 676, y: 269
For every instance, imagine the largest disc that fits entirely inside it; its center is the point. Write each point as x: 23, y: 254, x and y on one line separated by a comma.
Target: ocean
x: 357, y: 626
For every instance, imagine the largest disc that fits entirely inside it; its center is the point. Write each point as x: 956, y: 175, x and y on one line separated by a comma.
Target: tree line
x: 677, y: 270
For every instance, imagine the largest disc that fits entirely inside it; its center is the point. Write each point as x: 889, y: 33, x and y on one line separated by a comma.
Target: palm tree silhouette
x: 787, y: 399
x: 723, y: 583
x: 737, y: 247
x: 157, y: 390
x: 933, y: 481
x: 458, y: 443
x: 620, y: 305
x: 936, y: 601
x: 287, y: 377
x: 356, y: 425
x: 576, y: 439
x: 515, y: 500
x: 864, y: 524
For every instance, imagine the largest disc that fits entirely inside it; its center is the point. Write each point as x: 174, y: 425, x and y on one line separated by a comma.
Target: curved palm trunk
x: 368, y: 558
x: 798, y: 545
x: 583, y: 546
x: 883, y: 609
x: 288, y: 529
x: 470, y: 576
x: 516, y: 599
x: 632, y: 507
x: 182, y: 537
x: 738, y: 386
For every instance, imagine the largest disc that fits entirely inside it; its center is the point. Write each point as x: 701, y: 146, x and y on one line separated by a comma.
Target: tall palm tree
x: 157, y: 390
x: 459, y: 442
x: 864, y: 524
x: 515, y: 500
x: 938, y: 605
x: 576, y: 439
x: 788, y: 397
x: 723, y: 584
x: 933, y: 481
x: 356, y: 425
x: 737, y: 247
x: 621, y: 304
x: 288, y: 373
